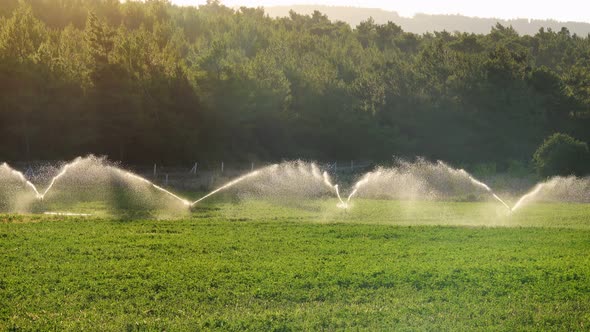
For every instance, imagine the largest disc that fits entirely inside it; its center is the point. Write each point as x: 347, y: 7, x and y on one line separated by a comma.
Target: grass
x: 257, y: 265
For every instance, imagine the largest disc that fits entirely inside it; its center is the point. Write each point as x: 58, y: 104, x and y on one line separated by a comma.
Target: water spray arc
x: 22, y: 178
x: 66, y: 167
x: 528, y: 196
x: 563, y: 189
x: 419, y: 179
x: 406, y: 181
x: 291, y: 170
x: 232, y: 183
x: 61, y: 174
x: 328, y: 183
x: 480, y: 184
x: 65, y: 170
x: 364, y: 180
x: 155, y: 186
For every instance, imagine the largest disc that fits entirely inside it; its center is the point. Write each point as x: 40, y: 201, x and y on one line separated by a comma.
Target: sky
x: 562, y: 10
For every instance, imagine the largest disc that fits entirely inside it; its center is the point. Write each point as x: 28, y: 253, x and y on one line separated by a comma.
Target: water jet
x: 283, y: 183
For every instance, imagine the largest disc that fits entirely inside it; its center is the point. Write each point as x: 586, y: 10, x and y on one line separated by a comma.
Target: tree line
x: 145, y: 81
x: 422, y: 23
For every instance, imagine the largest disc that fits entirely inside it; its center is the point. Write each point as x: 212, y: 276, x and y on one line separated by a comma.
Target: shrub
x: 561, y: 154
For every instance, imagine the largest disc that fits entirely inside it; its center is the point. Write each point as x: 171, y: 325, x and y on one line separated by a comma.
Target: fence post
x: 155, y: 170
x: 29, y: 172
x: 252, y: 167
x: 222, y: 167
x: 166, y: 182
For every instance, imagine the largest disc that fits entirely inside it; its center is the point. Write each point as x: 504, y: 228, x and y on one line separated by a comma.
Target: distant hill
x: 422, y: 23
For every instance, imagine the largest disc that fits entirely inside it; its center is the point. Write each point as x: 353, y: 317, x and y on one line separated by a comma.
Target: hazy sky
x: 562, y: 10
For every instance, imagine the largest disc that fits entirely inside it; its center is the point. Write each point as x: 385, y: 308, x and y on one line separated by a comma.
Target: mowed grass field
x: 255, y: 265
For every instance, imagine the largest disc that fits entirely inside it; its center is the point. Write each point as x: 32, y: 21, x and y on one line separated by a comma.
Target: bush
x: 561, y: 154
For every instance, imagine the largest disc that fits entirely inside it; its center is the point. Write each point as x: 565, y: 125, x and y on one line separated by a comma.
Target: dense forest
x: 146, y: 81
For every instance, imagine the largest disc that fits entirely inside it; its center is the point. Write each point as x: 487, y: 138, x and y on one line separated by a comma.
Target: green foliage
x: 255, y: 266
x: 99, y: 39
x: 561, y: 154
x: 22, y: 34
x: 149, y: 81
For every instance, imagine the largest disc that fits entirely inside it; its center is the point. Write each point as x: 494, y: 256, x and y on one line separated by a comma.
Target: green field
x: 257, y: 265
